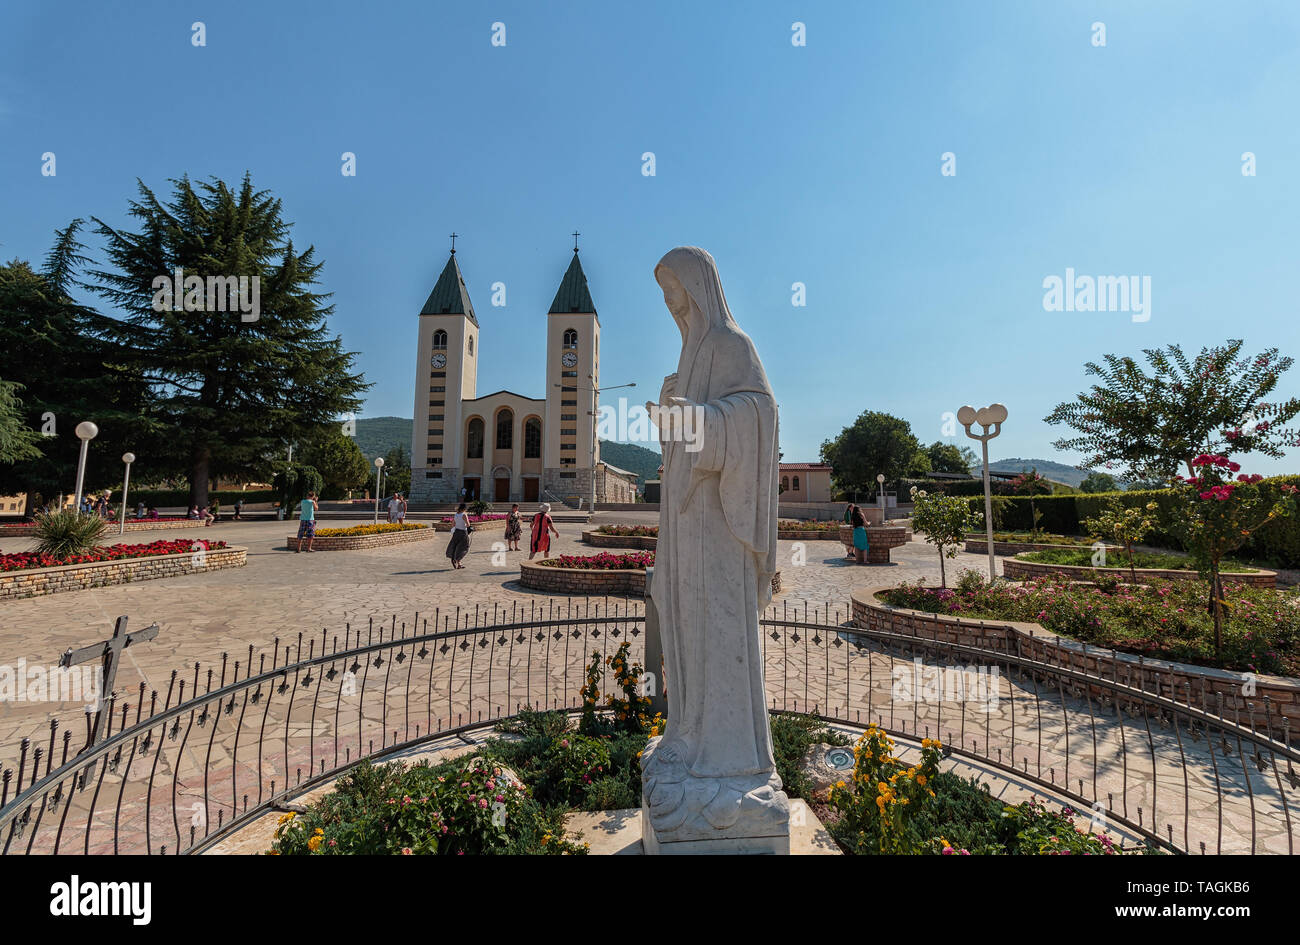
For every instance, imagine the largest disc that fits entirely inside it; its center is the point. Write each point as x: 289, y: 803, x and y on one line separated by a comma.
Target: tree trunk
x: 199, y: 476
x: 1216, y: 608
x: 943, y: 575
x: 1132, y: 573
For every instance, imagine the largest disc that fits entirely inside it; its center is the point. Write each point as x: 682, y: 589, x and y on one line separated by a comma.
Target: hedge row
x: 164, y: 498
x: 1277, y: 543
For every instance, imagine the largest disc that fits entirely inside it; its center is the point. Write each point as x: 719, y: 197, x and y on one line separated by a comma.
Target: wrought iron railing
x: 180, y: 770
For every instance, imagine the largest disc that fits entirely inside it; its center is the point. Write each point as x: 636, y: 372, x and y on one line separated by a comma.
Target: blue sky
x: 818, y: 164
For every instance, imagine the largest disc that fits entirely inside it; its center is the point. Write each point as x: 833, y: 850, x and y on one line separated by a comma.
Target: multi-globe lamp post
x: 128, y: 459
x: 86, y: 431
x: 990, y: 418
x: 379, y: 477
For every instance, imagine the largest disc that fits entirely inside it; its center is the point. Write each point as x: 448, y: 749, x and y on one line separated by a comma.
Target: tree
x: 233, y: 376
x: 293, y: 482
x: 1031, y: 484
x: 1151, y: 425
x: 56, y: 349
x: 397, y: 471
x: 1124, y: 526
x: 950, y: 458
x: 17, y: 441
x: 875, y: 443
x: 1217, y: 516
x: 945, y: 520
x: 339, y: 461
x: 1096, y: 482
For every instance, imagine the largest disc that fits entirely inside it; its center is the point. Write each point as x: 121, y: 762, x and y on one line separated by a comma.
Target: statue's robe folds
x: 715, y: 559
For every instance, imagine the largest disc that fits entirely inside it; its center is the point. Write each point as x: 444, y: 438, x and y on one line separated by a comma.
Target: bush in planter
x: 66, y: 532
x: 463, y: 806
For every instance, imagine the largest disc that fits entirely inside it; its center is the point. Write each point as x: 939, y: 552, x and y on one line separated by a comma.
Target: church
x: 504, y: 447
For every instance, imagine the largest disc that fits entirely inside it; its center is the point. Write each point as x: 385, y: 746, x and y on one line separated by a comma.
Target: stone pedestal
x: 723, y: 845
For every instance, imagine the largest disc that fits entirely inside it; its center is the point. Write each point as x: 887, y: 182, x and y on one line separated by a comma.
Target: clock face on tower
x: 569, y: 359
x: 439, y: 360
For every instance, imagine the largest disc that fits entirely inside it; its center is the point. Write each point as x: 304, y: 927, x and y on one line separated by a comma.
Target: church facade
x: 504, y: 447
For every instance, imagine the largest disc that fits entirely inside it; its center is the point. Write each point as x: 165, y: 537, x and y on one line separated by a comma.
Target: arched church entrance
x: 501, y: 484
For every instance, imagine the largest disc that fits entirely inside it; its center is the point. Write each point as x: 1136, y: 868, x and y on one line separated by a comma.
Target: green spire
x: 572, y: 295
x: 449, y: 295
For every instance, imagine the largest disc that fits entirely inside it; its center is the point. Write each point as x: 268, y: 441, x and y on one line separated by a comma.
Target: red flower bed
x: 26, y: 560
x: 633, y: 561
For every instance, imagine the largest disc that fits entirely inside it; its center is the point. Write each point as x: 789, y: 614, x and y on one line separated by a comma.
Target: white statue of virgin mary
x: 711, y: 774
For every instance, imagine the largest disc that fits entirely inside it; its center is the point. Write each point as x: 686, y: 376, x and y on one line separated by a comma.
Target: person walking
x: 401, y: 509
x: 395, y: 508
x: 514, y: 528
x: 307, y: 520
x: 542, y: 529
x: 849, y: 510
x: 239, y: 509
x: 458, y: 547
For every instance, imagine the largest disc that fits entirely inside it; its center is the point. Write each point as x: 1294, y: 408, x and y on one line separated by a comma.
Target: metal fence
x: 179, y: 770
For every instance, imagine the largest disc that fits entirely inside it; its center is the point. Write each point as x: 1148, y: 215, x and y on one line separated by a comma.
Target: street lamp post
x: 379, y: 475
x: 880, y: 495
x: 127, y: 458
x: 86, y: 431
x: 595, y: 400
x: 991, y: 419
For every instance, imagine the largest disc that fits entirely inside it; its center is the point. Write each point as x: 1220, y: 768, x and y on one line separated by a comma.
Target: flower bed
x: 600, y: 539
x: 795, y: 530
x: 595, y: 574
x: 639, y: 531
x: 24, y: 560
x: 383, y: 528
x: 361, y: 537
x: 1003, y: 546
x: 1166, y: 621
x: 156, y: 560
x: 1021, y: 568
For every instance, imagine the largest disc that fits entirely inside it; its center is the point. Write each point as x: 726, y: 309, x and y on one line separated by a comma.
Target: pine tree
x: 231, y: 389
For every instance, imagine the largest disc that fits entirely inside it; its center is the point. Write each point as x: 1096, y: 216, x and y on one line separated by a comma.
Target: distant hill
x: 377, y: 435
x: 1058, y: 472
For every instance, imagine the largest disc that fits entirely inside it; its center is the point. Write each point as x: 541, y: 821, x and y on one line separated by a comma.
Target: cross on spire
x: 576, y: 234
x: 453, y: 244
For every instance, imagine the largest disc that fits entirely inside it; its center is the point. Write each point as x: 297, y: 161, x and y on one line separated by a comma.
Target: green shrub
x: 462, y: 806
x: 65, y: 532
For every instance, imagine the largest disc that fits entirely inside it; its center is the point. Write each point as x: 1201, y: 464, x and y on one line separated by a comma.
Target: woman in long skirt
x: 458, y: 547
x: 542, y: 529
x: 514, y: 528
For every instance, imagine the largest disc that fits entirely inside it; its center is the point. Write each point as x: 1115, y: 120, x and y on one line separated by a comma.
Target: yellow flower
x: 314, y: 843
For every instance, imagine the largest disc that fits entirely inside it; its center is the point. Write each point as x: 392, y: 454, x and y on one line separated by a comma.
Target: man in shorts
x: 307, y: 520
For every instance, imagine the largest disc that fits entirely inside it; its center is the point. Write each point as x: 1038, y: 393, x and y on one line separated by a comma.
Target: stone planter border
x: 362, y: 542
x: 38, y: 582
x: 1033, y: 641
x: 479, y: 526
x: 592, y: 582
x: 808, y: 534
x: 979, y: 546
x: 27, y: 531
x: 880, y: 539
x: 599, y: 539
x: 1014, y: 569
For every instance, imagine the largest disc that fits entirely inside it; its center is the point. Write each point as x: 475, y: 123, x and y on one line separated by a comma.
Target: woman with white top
x: 458, y: 547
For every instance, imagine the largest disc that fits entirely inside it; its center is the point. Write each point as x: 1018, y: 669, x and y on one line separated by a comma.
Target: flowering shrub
x: 1218, y: 515
x: 632, y: 561
x: 26, y: 560
x: 475, y: 519
x: 809, y: 526
x: 632, y: 531
x: 891, y: 807
x: 355, y: 530
x: 1164, y: 620
x: 464, y: 806
x: 1125, y: 526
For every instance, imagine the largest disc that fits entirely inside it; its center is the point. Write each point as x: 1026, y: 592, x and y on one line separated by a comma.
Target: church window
x: 532, y: 438
x: 505, y: 430
x: 568, y: 416
x: 474, y: 439
x: 785, y: 482
x: 570, y: 338
x: 569, y: 374
x: 796, y: 483
x: 471, y: 346
x: 440, y: 339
